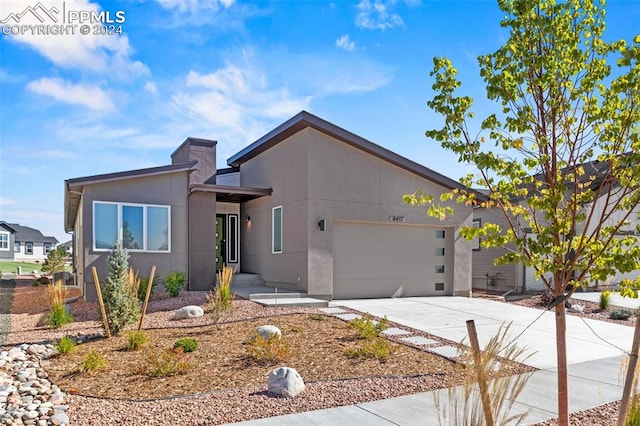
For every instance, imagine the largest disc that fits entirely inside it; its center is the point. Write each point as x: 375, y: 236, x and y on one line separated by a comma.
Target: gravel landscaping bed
x: 337, y: 385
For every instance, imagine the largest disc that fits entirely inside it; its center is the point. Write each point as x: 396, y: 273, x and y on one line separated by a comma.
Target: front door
x: 220, y: 242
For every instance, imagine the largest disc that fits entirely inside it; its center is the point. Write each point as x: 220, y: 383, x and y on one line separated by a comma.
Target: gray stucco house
x: 23, y: 243
x: 309, y: 206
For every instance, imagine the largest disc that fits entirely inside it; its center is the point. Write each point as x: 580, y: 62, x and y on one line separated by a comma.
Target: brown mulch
x: 221, y: 362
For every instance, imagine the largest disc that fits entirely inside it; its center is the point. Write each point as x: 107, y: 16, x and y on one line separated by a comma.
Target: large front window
x: 47, y: 248
x: 138, y: 227
x: 4, y: 241
x: 28, y: 248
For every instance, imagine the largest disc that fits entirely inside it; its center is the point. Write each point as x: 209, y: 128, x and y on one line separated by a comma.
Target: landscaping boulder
x: 266, y: 331
x: 189, y: 312
x: 286, y: 382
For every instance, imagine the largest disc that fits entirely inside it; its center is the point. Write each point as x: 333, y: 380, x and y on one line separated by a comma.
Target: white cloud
x: 344, y: 42
x: 5, y: 201
x: 97, y: 53
x: 236, y: 101
x: 91, y: 97
x: 151, y: 87
x: 375, y: 15
x: 196, y: 5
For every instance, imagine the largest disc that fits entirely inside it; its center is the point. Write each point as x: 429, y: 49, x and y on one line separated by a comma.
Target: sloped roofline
x: 305, y: 119
x: 73, y: 187
x: 8, y: 227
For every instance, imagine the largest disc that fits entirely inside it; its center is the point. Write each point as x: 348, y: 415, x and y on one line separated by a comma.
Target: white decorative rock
x: 59, y: 418
x: 577, y: 307
x: 266, y: 331
x: 285, y: 381
x: 189, y: 312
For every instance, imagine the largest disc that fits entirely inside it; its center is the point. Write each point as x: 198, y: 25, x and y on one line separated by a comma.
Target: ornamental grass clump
x: 462, y: 405
x: 57, y: 315
x: 220, y: 300
x: 92, y: 361
x: 65, y: 345
x: 373, y: 345
x: 605, y: 300
x: 136, y: 340
x: 120, y: 293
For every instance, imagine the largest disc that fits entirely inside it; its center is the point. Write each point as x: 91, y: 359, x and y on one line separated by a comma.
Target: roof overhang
x: 230, y: 194
x: 74, y: 188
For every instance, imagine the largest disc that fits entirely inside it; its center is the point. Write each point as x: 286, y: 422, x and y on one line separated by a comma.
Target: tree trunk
x: 561, y: 349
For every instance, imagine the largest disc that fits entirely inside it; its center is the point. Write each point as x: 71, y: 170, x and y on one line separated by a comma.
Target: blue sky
x: 231, y: 70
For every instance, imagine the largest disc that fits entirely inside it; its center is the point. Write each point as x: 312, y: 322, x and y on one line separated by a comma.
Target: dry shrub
x: 463, y: 404
x: 164, y: 363
x: 272, y: 350
x: 220, y: 300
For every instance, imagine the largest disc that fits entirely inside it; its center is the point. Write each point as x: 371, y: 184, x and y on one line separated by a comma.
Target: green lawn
x: 27, y: 267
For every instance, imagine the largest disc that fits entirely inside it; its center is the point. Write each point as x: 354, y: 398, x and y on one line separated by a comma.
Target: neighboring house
x: 67, y: 246
x: 309, y: 206
x: 516, y: 275
x: 22, y: 243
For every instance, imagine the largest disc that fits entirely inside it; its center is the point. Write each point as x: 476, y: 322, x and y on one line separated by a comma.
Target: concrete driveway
x: 446, y: 317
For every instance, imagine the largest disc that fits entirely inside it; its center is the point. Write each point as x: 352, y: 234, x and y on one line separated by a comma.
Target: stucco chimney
x: 201, y: 150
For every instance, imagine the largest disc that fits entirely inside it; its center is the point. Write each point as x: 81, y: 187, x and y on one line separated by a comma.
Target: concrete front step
x: 279, y: 295
x: 243, y: 279
x: 292, y: 302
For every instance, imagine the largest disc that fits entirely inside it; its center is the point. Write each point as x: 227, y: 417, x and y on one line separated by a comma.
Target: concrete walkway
x: 594, y: 372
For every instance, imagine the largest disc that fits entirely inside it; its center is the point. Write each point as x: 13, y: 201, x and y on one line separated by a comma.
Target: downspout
x: 73, y: 255
x: 516, y: 285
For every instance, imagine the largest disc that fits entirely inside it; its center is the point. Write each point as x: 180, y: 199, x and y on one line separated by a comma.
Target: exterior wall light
x: 321, y: 225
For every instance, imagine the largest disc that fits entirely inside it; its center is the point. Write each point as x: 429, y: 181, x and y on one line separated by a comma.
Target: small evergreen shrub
x: 65, y: 345
x: 120, y: 299
x: 43, y: 281
x: 136, y: 340
x: 605, y: 300
x: 621, y: 314
x: 317, y: 317
x: 271, y: 350
x: 163, y: 363
x: 187, y: 344
x: 92, y: 361
x: 174, y: 282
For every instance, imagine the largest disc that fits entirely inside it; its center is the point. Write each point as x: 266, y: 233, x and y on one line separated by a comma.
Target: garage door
x: 391, y: 260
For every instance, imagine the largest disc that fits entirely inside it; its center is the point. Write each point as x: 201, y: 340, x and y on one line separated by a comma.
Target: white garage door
x: 391, y: 260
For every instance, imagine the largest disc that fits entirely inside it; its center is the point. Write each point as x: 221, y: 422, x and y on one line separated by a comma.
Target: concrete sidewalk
x: 594, y: 372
